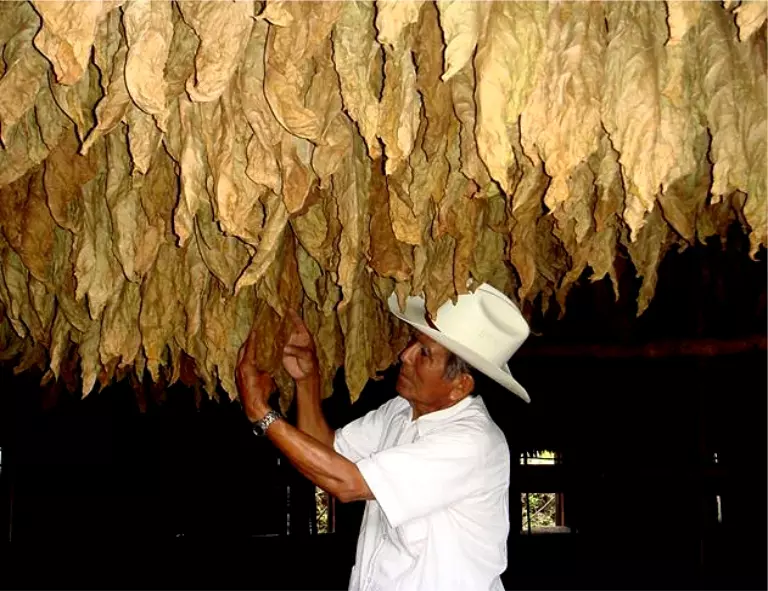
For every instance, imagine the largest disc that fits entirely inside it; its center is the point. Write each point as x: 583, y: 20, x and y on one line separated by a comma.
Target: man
x: 431, y: 464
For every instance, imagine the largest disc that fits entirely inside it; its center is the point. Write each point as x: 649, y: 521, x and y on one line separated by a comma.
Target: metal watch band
x: 260, y: 427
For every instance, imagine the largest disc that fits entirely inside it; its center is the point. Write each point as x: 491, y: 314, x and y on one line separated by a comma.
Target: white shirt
x: 440, y: 517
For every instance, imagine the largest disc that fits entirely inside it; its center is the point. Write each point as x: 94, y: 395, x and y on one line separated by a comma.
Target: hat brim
x: 415, y: 315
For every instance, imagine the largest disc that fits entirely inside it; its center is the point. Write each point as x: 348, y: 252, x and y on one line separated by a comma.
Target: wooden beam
x: 680, y: 348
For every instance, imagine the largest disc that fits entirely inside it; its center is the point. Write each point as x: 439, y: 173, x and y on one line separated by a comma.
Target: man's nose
x: 407, y: 355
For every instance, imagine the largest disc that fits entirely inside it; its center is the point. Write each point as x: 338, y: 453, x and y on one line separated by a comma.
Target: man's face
x: 421, y: 380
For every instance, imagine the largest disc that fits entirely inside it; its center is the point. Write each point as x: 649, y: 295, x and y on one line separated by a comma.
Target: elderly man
x: 431, y: 464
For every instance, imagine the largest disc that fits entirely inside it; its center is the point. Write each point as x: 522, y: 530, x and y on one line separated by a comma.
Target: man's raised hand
x: 299, y: 356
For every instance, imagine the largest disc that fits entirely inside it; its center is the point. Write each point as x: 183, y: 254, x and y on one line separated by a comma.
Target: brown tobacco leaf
x: 226, y: 323
x: 65, y: 173
x: 161, y: 310
x: 389, y: 257
x: 97, y: 271
x: 225, y: 256
x: 24, y: 67
x: 120, y: 335
x: 319, y: 228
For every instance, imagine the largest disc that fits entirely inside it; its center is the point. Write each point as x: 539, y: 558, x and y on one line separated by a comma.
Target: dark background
x: 98, y: 494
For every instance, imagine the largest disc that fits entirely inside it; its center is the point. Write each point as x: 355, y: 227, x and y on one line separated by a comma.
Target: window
x: 542, y: 512
x: 324, y: 523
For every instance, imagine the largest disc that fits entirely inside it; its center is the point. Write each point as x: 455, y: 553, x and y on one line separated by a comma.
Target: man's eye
x: 425, y: 352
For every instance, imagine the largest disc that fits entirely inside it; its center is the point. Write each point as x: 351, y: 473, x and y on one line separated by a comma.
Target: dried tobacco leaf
x: 505, y: 67
x: 646, y: 252
x: 263, y: 147
x: 269, y: 245
x: 67, y: 34
x: 97, y: 271
x: 149, y: 31
x: 25, y: 69
x: 463, y: 23
x: 561, y: 123
x: 641, y: 111
x: 358, y: 60
x: 750, y: 16
x: 223, y: 29
x: 290, y: 67
x: 682, y: 16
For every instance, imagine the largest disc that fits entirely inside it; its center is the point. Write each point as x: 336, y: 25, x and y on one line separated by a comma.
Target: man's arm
x: 310, y: 418
x: 318, y: 462
x: 300, y: 360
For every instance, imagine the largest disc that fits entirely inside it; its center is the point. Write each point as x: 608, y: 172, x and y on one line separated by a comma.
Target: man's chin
x: 403, y: 386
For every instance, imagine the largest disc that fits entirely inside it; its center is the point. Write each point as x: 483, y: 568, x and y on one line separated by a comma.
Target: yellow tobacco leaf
x: 750, y: 16
x: 400, y: 107
x: 223, y: 29
x: 646, y: 252
x: 290, y: 67
x: 641, y: 111
x: 269, y: 245
x: 97, y: 272
x: 505, y: 67
x: 358, y: 59
x: 67, y: 35
x: 393, y: 17
x: 561, y: 124
x: 297, y: 173
x: 143, y: 138
x: 463, y: 23
x: 114, y: 104
x: 463, y: 96
x: 225, y: 256
x: 149, y: 31
x: 682, y: 16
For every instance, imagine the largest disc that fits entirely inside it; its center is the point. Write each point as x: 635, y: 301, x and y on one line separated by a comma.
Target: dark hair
x: 455, y: 366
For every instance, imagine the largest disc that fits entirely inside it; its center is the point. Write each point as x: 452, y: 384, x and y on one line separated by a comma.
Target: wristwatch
x: 260, y: 427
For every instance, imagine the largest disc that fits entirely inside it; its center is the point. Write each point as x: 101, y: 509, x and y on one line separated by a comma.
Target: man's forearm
x: 310, y: 417
x: 319, y: 463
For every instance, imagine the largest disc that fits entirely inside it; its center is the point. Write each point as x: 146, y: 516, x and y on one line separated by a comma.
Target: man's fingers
x: 296, y: 351
x: 298, y: 322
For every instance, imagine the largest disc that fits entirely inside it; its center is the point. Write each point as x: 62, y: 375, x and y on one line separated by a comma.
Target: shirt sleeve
x: 439, y: 469
x: 362, y: 437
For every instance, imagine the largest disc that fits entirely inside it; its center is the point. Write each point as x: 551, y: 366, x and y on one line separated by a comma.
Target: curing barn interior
x: 175, y: 174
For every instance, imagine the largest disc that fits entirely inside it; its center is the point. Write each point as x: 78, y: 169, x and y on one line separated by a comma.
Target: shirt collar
x: 432, y: 419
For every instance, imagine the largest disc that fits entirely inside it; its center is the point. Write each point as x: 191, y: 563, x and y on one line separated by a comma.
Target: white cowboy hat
x: 484, y: 328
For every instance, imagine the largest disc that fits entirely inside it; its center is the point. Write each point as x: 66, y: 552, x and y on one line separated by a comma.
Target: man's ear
x: 464, y: 384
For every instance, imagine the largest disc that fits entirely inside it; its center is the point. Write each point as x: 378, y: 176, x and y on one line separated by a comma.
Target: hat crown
x: 486, y: 322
